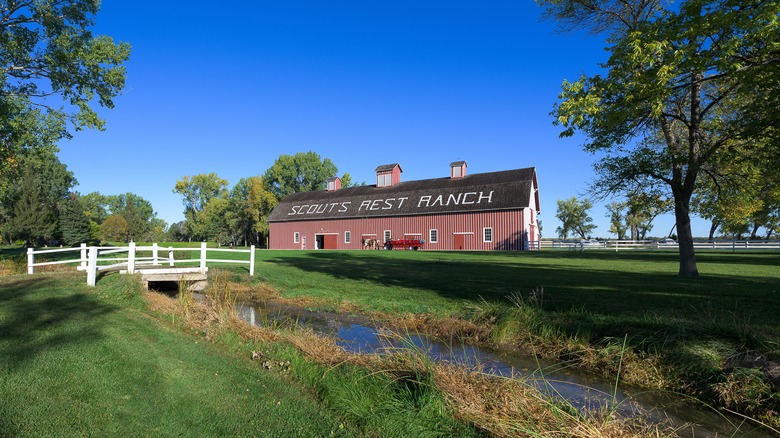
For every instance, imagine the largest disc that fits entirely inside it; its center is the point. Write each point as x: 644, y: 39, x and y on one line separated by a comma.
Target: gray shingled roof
x: 509, y: 189
x: 387, y: 167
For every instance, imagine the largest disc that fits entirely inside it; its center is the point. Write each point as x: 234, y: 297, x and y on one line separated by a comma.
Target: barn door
x: 459, y: 241
x: 329, y: 241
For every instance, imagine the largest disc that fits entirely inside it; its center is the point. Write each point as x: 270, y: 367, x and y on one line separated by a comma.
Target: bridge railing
x: 95, y: 259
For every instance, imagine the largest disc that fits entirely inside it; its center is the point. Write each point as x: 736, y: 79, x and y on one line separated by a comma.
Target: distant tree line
x: 239, y: 215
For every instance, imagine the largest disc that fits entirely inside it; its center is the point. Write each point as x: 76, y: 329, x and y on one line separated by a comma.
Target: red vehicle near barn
x: 412, y: 244
x: 478, y: 212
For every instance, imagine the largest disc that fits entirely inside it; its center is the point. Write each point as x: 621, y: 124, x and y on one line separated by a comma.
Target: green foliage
x: 260, y: 204
x: 574, y: 218
x: 137, y: 212
x: 113, y: 229
x: 52, y: 71
x: 74, y: 223
x: 616, y: 224
x: 50, y: 56
x: 302, y: 172
x: 642, y: 208
x: 682, y: 85
x: 34, y: 218
x: 197, y: 191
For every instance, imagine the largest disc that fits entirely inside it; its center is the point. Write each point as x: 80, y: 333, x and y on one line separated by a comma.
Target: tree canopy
x: 573, y: 214
x: 683, y: 84
x: 54, y: 74
x: 49, y: 56
x: 302, y: 172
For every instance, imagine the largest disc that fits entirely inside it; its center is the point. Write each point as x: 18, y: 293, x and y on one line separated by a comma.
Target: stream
x: 583, y: 390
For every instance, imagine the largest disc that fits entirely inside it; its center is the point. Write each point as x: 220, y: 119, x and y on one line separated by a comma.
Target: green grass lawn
x: 75, y: 362
x: 691, y: 335
x: 743, y: 288
x: 625, y: 312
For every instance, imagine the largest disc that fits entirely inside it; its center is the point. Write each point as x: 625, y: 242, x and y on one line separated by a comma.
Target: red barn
x: 485, y: 211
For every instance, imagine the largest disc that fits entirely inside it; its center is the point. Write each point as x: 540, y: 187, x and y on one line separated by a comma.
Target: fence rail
x: 624, y: 245
x: 90, y: 258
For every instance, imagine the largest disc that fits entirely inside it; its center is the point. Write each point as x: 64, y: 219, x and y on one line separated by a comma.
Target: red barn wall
x: 510, y: 231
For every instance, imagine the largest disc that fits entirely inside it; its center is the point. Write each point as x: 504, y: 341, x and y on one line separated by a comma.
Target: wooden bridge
x: 156, y: 268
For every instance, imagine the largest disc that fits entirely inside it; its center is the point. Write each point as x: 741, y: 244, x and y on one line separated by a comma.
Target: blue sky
x: 227, y: 88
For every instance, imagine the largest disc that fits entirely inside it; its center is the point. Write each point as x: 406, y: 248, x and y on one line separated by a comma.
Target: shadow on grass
x: 606, y: 300
x: 37, y: 314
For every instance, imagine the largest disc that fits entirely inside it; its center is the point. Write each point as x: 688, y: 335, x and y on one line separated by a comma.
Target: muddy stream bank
x: 583, y: 390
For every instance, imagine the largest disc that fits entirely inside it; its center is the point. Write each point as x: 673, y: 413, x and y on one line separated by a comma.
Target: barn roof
x: 387, y: 167
x: 509, y: 189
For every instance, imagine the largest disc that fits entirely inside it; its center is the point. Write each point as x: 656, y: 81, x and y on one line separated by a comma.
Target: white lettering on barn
x: 466, y: 198
x: 389, y: 204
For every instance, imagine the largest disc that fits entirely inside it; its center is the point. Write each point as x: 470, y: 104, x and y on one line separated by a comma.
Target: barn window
x: 487, y: 234
x: 387, y: 235
x: 433, y: 235
x: 347, y: 236
x: 384, y: 180
x: 296, y: 237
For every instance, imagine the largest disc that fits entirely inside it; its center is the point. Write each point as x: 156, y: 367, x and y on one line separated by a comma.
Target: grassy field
x: 700, y: 336
x: 740, y: 288
x: 80, y: 361
x: 714, y: 337
x: 78, y: 364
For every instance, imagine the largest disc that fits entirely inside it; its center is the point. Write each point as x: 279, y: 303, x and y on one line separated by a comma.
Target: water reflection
x: 583, y: 390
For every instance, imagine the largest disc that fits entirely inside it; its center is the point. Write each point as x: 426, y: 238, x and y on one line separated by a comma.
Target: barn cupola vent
x: 458, y: 169
x: 388, y: 175
x: 334, y: 183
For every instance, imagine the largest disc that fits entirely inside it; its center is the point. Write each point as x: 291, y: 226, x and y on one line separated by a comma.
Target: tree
x: 214, y: 221
x: 74, y: 223
x: 52, y: 176
x: 302, y: 172
x: 49, y: 56
x: 197, y: 191
x: 137, y: 212
x: 682, y: 85
x: 34, y: 219
x: 96, y: 210
x: 113, y: 229
x: 573, y: 215
x: 616, y: 217
x: 53, y: 71
x: 642, y: 209
x: 260, y: 204
x: 177, y: 232
x: 95, y: 206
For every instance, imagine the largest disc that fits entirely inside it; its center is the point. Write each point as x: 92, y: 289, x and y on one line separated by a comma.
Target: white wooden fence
x: 94, y: 259
x: 623, y: 245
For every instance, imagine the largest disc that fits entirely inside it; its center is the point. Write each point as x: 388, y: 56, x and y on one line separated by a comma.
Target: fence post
x: 131, y: 259
x: 30, y: 261
x: 155, y: 261
x: 170, y: 255
x: 203, y: 257
x: 83, y: 255
x: 252, y: 261
x: 92, y: 268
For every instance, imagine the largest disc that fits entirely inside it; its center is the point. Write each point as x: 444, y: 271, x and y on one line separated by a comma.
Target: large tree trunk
x: 754, y: 232
x: 713, y: 227
x: 682, y: 216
